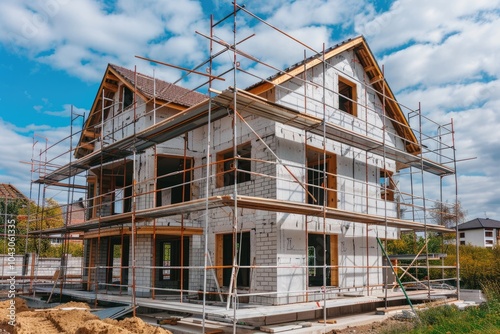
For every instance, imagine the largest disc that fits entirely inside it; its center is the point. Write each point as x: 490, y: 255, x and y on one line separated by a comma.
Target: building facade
x: 279, y: 193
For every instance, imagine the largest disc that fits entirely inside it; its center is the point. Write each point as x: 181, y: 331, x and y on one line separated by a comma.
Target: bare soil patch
x: 69, y: 318
x: 389, y: 325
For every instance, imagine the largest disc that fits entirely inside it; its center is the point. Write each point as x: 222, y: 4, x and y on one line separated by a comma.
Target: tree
x: 9, y: 211
x: 30, y: 217
x: 448, y: 215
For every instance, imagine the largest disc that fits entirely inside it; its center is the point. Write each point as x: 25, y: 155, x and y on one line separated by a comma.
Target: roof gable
x: 165, y: 91
x: 374, y: 75
x: 145, y: 87
x: 8, y: 191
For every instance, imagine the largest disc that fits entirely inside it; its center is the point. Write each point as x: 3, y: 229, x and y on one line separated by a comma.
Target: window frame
x: 225, y: 166
x: 332, y: 260
x: 126, y: 94
x: 347, y: 102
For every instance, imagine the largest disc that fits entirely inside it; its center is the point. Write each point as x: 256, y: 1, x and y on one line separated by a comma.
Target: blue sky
x: 441, y: 54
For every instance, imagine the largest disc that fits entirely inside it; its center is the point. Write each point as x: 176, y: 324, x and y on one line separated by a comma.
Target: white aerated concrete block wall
x: 143, y: 260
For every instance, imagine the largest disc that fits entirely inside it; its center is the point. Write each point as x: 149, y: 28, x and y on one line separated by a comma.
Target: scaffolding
x: 169, y: 191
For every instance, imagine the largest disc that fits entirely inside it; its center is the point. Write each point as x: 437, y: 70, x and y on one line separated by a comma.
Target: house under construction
x: 278, y: 194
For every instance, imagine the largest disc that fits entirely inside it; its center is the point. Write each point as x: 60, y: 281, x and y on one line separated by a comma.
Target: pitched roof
x: 165, y: 91
x: 8, y: 191
x: 146, y: 87
x: 479, y: 223
x: 374, y: 75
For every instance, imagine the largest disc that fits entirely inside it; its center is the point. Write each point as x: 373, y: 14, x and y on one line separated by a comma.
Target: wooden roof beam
x: 86, y: 146
x: 109, y: 86
x: 90, y: 134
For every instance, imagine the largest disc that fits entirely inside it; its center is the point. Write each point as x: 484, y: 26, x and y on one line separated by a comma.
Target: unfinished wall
x: 143, y: 263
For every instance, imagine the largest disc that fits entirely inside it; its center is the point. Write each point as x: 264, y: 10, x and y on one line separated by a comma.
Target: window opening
x: 316, y: 178
x: 226, y: 175
x: 319, y: 247
x: 128, y: 97
x: 347, y: 96
x: 387, y: 185
x: 225, y: 258
x: 173, y: 183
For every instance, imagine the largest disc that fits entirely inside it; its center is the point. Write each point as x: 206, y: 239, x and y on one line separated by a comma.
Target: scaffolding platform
x: 259, y: 314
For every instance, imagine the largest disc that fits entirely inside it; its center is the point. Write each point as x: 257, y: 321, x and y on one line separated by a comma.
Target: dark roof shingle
x: 479, y: 223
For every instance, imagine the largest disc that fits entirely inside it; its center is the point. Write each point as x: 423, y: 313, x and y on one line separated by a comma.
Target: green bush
x: 484, y: 319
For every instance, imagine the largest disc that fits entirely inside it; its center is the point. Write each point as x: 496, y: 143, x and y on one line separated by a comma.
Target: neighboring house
x: 72, y: 214
x: 10, y: 193
x: 482, y: 232
x: 302, y: 181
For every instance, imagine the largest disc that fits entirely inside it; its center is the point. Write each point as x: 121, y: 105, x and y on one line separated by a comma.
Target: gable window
x: 231, y: 170
x: 387, y: 185
x: 347, y: 96
x: 127, y: 97
x: 225, y: 254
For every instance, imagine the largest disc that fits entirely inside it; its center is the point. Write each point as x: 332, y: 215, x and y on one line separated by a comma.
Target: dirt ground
x: 392, y: 325
x: 69, y: 318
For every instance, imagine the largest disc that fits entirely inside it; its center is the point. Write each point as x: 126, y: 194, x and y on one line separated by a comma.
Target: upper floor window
x: 387, y: 185
x: 230, y: 169
x: 462, y: 234
x: 347, y: 96
x: 488, y: 234
x: 127, y: 97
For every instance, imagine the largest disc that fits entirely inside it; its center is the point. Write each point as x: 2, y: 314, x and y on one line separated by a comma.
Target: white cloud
x: 426, y: 21
x: 81, y: 36
x: 67, y: 111
x: 22, y: 146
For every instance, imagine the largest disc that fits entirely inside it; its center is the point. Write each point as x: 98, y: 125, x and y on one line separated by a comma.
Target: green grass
x: 484, y: 319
